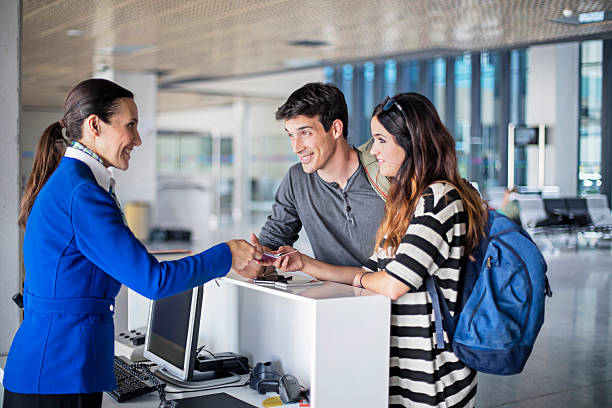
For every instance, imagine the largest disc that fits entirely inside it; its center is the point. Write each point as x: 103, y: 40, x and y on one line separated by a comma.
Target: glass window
x: 183, y: 152
x: 519, y: 73
x: 410, y: 77
x: 269, y: 157
x: 328, y: 73
x: 589, y: 145
x: 347, y: 86
x: 390, y: 78
x: 485, y: 155
x: 438, y: 78
x: 463, y: 110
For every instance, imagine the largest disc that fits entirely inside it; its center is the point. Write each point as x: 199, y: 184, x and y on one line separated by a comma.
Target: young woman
x: 433, y: 219
x: 78, y: 251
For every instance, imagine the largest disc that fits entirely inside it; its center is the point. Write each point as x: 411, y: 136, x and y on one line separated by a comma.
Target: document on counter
x: 298, y: 281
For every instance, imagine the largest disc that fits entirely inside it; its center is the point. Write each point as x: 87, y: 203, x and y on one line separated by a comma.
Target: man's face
x: 309, y: 140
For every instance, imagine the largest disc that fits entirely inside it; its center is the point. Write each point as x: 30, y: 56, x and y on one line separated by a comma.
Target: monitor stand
x: 200, y: 379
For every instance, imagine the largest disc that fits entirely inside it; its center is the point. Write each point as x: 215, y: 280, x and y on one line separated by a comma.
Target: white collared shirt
x: 103, y: 175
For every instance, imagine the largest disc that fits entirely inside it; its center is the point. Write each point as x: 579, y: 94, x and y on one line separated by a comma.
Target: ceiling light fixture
x: 569, y: 17
x: 301, y: 62
x: 121, y: 49
x: 308, y: 43
x: 75, y: 33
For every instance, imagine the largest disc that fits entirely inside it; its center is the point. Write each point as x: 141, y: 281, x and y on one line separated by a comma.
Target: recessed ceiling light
x: 121, y: 49
x: 75, y: 33
x: 594, y: 17
x: 583, y: 18
x: 301, y: 62
x: 307, y: 43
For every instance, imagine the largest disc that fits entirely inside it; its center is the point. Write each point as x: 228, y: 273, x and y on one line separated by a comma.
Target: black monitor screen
x: 169, y: 327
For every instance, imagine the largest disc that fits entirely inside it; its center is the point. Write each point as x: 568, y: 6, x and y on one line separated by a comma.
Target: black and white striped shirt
x: 420, y: 374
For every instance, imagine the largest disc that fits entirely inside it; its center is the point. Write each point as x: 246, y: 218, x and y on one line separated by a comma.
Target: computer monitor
x: 172, y: 332
x: 172, y: 338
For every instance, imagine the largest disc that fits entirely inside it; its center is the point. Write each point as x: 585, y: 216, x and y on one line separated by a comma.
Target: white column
x: 139, y: 182
x: 240, y: 136
x: 552, y: 99
x: 10, y: 248
x: 565, y: 145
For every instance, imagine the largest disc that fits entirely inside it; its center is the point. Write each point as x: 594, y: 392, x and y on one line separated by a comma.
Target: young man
x: 334, y: 193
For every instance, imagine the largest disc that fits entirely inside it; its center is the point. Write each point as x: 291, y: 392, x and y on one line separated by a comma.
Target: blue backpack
x: 501, y: 304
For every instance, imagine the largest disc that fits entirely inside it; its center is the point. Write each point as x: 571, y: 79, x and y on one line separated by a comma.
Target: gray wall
x: 10, y: 22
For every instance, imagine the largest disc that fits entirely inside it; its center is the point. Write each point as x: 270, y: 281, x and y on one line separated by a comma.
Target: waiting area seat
x: 568, y: 215
x: 599, y: 211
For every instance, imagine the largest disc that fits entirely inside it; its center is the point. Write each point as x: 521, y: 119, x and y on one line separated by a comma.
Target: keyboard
x: 131, y: 382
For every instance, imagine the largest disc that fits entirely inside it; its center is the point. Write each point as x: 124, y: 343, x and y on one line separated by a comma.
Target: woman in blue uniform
x: 78, y: 251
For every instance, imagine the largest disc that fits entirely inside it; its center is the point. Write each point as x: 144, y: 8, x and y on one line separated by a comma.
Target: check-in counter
x: 334, y: 338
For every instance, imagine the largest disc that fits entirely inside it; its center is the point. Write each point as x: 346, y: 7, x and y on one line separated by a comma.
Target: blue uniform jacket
x: 77, y: 253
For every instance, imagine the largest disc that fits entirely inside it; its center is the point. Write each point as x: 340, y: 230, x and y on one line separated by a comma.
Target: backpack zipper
x: 482, y: 297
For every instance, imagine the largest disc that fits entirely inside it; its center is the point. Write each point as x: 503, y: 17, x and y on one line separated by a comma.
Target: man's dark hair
x: 316, y: 99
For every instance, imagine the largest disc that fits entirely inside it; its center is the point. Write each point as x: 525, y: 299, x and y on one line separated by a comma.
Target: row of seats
x: 574, y: 214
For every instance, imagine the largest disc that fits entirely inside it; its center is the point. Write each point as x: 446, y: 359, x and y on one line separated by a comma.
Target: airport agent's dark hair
x: 430, y: 157
x: 317, y: 99
x: 98, y: 97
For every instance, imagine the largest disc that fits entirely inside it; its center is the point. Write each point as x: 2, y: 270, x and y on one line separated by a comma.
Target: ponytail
x: 49, y: 151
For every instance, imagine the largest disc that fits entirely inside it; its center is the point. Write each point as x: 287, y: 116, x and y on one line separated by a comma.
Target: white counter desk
x: 334, y: 338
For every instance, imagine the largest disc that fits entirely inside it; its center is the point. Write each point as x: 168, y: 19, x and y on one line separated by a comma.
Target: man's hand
x: 293, y: 261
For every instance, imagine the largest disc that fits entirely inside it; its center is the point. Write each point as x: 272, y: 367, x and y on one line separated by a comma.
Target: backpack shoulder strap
x: 442, y: 316
x: 379, y: 183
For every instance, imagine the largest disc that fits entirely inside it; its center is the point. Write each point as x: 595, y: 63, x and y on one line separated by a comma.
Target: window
x: 519, y: 72
x: 410, y: 77
x: 463, y: 110
x: 390, y: 78
x: 589, y: 137
x: 485, y: 159
x: 183, y: 152
x: 438, y: 81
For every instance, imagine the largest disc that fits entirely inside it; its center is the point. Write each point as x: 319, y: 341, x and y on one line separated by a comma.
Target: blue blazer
x: 77, y: 253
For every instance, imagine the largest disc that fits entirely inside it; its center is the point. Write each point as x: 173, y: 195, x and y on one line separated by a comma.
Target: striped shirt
x: 420, y: 374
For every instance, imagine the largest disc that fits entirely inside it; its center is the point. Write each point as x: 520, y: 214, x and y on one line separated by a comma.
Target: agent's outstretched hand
x: 243, y: 253
x: 252, y: 269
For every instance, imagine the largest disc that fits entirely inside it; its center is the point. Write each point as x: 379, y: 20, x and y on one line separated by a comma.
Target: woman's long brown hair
x: 430, y: 157
x: 90, y: 97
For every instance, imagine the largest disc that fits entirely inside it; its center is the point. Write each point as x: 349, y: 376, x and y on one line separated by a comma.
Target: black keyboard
x: 131, y: 382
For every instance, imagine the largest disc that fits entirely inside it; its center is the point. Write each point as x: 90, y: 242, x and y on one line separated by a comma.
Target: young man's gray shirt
x: 341, y: 224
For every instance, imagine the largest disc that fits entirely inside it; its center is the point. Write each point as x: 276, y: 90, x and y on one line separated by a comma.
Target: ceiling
x: 184, y: 40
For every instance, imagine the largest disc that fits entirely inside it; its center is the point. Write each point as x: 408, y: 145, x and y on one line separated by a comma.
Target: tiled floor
x: 571, y: 364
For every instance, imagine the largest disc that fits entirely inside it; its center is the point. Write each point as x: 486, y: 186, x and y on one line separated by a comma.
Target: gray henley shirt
x: 341, y: 224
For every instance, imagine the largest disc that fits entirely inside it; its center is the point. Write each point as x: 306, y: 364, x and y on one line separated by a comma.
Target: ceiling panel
x: 219, y: 38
